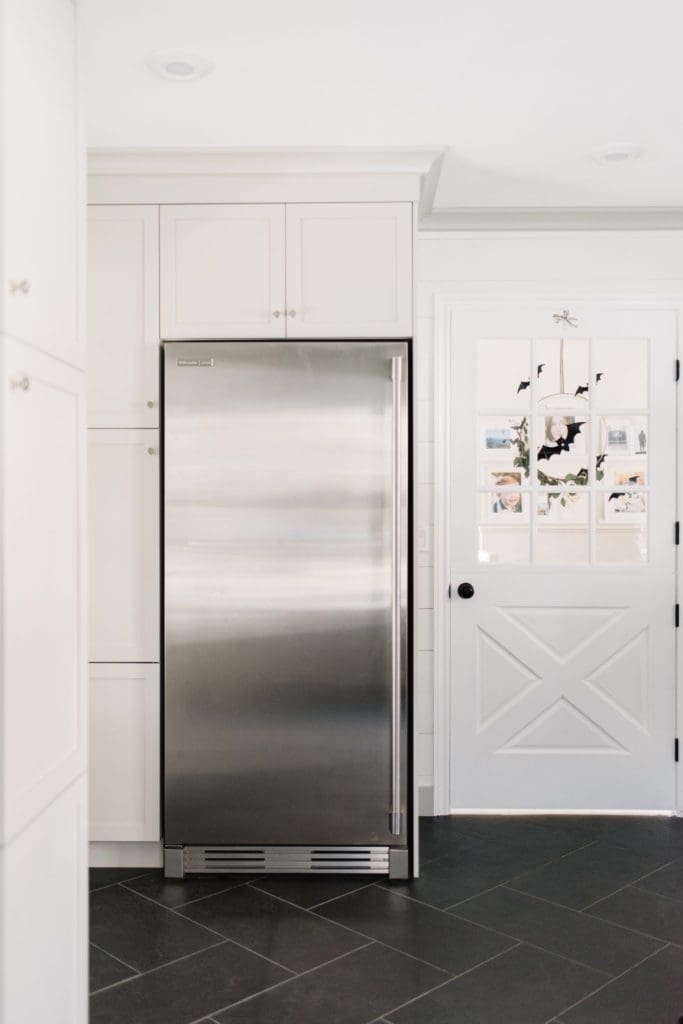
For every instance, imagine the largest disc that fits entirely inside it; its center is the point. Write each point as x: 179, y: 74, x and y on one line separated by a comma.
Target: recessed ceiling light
x: 618, y: 154
x: 178, y: 65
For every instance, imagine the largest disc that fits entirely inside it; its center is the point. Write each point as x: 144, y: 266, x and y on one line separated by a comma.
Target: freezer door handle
x: 395, y: 818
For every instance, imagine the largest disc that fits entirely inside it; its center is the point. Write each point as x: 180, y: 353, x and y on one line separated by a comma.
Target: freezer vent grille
x: 286, y: 859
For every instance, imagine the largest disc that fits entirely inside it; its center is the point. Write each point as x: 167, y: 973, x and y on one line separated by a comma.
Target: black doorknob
x: 465, y: 590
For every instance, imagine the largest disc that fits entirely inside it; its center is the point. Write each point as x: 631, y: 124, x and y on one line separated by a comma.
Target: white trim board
x: 126, y: 855
x: 444, y: 304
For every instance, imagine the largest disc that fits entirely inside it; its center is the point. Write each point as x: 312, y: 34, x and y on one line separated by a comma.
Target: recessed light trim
x: 618, y: 154
x: 179, y: 65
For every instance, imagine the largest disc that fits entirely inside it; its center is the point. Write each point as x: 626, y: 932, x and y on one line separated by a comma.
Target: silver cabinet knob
x: 22, y: 287
x: 20, y: 384
x: 277, y: 313
x: 150, y: 404
x: 291, y: 312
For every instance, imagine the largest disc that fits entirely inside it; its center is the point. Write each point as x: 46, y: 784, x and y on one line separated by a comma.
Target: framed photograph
x: 622, y: 477
x: 499, y: 474
x: 505, y: 507
x: 617, y: 438
x: 565, y: 508
x: 498, y: 439
x: 624, y: 506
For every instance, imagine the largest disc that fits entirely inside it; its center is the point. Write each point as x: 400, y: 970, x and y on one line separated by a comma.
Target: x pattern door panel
x: 562, y: 676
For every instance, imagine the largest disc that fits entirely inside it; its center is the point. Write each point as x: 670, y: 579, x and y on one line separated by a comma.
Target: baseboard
x: 126, y: 855
x: 582, y: 811
x: 425, y: 801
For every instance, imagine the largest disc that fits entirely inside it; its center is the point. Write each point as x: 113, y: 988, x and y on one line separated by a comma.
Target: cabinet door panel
x: 124, y: 753
x: 41, y: 171
x: 44, y: 904
x: 349, y: 270
x: 43, y: 682
x: 123, y: 316
x: 222, y: 271
x: 124, y: 545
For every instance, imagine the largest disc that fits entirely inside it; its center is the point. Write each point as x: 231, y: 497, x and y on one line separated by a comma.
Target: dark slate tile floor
x: 524, y: 920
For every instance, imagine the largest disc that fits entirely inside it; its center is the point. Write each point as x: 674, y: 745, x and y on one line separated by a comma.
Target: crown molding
x: 579, y: 218
x: 410, y: 160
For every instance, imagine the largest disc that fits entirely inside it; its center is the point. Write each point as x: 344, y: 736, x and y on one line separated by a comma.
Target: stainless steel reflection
x: 285, y: 558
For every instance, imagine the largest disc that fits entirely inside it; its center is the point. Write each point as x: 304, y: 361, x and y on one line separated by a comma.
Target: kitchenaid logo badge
x: 194, y: 362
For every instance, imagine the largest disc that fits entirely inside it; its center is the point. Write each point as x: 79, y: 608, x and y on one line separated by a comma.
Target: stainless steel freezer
x: 286, y: 583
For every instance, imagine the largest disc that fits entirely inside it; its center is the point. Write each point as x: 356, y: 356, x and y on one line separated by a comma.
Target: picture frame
x: 624, y: 507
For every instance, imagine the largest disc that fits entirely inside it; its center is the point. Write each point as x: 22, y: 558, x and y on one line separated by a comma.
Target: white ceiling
x: 519, y: 91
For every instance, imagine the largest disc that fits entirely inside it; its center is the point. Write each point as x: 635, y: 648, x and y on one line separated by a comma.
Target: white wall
x: 562, y: 266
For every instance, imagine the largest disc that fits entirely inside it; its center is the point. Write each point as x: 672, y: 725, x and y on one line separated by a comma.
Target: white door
x: 349, y: 270
x: 563, y: 501
x: 123, y: 316
x: 223, y: 271
x: 124, y: 545
x: 41, y: 176
x: 124, y: 753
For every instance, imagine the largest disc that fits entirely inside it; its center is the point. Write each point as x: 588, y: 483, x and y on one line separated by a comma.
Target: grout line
x: 455, y: 977
x: 187, y: 903
x: 159, y: 967
x: 351, y: 892
x: 286, y: 981
x: 114, y: 957
x: 121, y: 881
x: 631, y: 882
x: 362, y: 935
x: 611, y: 981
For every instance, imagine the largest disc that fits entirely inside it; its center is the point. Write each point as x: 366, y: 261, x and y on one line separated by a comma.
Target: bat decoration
x: 563, y: 444
x: 615, y: 495
x: 598, y: 377
x: 523, y: 385
x: 634, y: 479
x: 564, y: 317
x: 539, y: 371
x: 599, y: 460
x: 581, y: 390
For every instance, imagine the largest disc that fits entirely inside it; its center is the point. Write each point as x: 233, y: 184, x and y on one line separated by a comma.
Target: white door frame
x: 444, y: 306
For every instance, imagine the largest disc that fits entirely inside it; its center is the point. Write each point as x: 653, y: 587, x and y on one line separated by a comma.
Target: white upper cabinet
x: 123, y: 316
x: 223, y: 271
x: 40, y: 168
x: 43, y: 655
x: 124, y: 753
x: 349, y: 270
x: 123, y: 473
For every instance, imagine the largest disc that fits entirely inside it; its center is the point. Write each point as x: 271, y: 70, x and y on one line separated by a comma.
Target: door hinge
x: 676, y: 749
x: 677, y: 615
x: 677, y: 532
x: 678, y: 370
x: 450, y: 591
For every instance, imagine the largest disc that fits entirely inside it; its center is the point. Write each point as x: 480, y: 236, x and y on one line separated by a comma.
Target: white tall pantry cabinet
x: 185, y: 256
x: 43, y: 668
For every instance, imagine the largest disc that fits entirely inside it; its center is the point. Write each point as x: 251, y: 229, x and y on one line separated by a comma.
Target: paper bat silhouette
x: 616, y: 494
x: 562, y: 444
x: 523, y: 385
x: 539, y: 371
x: 598, y: 377
x: 581, y: 390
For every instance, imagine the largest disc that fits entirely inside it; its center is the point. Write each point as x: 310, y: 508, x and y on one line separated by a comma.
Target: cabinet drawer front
x: 124, y: 545
x: 124, y: 753
x: 123, y: 316
x: 222, y: 271
x: 349, y: 270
